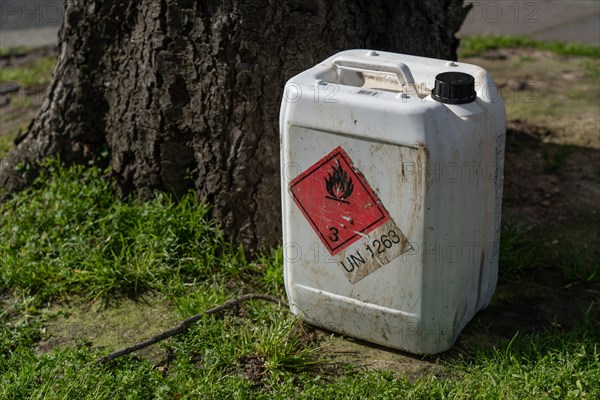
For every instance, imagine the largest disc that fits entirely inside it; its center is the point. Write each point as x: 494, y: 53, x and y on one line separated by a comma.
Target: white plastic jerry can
x: 392, y: 170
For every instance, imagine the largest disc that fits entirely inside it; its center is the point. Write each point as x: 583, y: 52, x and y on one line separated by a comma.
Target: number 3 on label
x: 333, y: 236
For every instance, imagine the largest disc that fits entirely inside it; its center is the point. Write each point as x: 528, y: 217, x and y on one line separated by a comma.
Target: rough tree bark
x: 184, y: 95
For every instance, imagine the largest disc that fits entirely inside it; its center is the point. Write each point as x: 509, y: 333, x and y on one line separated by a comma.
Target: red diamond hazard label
x: 337, y: 201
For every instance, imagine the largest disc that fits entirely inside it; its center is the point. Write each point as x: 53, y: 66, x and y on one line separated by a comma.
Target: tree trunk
x: 184, y: 95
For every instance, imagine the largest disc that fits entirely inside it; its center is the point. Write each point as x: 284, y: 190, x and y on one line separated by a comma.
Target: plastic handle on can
x: 399, y: 69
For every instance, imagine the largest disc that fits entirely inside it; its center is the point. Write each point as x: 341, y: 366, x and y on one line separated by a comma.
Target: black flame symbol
x: 338, y: 185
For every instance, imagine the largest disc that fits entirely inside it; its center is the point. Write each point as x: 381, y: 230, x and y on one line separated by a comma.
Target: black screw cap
x: 454, y: 88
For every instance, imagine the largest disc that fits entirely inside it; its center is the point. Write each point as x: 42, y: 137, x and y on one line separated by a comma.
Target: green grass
x: 15, y: 50
x: 209, y: 361
x: 38, y: 72
x: 591, y: 68
x: 575, y: 261
x: 70, y: 238
x: 523, y: 249
x: 6, y: 144
x: 552, y: 364
x: 518, y: 250
x: 475, y: 45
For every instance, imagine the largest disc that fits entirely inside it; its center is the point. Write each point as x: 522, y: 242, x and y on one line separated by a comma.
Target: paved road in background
x: 31, y: 23
x: 36, y: 22
x: 566, y: 20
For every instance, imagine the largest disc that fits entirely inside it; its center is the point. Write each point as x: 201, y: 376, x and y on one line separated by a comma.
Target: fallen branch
x: 186, y: 323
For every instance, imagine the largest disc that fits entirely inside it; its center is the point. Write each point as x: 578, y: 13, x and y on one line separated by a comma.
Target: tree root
x: 187, y: 322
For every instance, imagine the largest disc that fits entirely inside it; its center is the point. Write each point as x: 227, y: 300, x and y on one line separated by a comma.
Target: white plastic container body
x: 438, y: 171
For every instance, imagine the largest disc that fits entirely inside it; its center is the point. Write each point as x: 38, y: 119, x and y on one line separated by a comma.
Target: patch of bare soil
x: 18, y: 109
x: 19, y: 58
x: 547, y: 184
x: 19, y: 105
x: 560, y: 94
x: 120, y: 325
x: 537, y: 301
x: 367, y: 356
x: 252, y: 368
